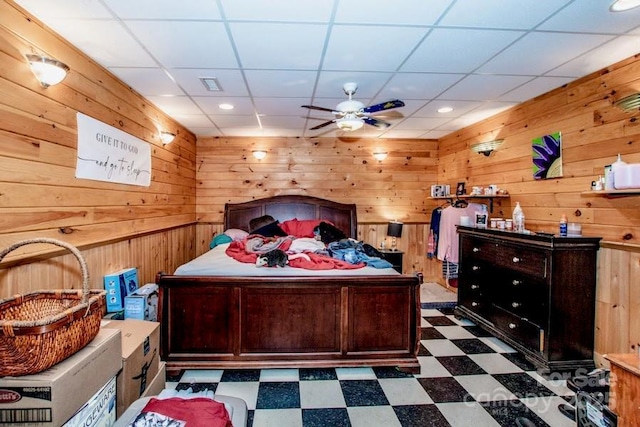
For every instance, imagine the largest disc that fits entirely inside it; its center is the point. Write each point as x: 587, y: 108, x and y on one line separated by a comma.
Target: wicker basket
x: 40, y: 329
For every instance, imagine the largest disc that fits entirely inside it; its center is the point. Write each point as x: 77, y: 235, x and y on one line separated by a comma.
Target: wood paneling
x: 40, y: 195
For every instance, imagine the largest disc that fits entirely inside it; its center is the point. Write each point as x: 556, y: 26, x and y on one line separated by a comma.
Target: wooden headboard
x: 283, y: 208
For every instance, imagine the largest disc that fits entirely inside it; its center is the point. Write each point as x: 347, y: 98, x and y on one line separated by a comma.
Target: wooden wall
x: 593, y: 132
x: 115, y: 225
x: 343, y: 170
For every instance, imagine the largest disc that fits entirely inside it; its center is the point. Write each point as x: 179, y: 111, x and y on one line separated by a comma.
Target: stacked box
x: 140, y: 360
x: 118, y: 285
x: 142, y: 304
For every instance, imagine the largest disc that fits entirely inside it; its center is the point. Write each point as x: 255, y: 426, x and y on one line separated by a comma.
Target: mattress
x: 217, y: 263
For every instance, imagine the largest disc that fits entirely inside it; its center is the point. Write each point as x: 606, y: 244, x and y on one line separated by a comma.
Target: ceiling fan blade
x: 375, y: 122
x: 384, y: 106
x: 313, y: 107
x: 321, y: 125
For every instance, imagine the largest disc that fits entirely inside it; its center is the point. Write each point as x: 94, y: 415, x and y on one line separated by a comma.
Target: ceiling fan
x: 352, y: 115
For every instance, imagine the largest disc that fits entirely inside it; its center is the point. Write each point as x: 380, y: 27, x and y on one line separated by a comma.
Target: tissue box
x: 142, y: 304
x: 118, y: 285
x: 626, y: 176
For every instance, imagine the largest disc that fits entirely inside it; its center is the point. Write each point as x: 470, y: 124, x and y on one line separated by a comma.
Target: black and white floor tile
x: 467, y: 378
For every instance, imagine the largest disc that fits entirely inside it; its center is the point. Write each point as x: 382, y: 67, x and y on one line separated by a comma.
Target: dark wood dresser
x: 535, y: 292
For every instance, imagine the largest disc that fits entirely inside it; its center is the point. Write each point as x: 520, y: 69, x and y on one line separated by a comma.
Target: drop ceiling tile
x: 68, y: 9
x: 287, y: 84
x: 281, y: 106
x: 521, y: 14
x: 592, y: 17
x: 459, y: 108
x: 422, y: 86
x: 330, y: 83
x: 435, y: 134
x: 422, y: 123
x: 194, y: 120
x: 483, y: 87
x: 534, y: 88
x: 234, y: 121
x: 537, y: 53
x: 484, y: 111
x: 148, y: 81
x: 414, y: 12
x: 206, y: 131
x: 186, y: 44
x: 231, y: 81
x: 279, y: 46
x: 175, y: 105
x: 154, y: 9
x: 129, y: 53
x: 280, y: 11
x: 621, y: 48
x: 210, y: 105
x: 282, y: 122
x: 458, y: 51
x: 370, y: 48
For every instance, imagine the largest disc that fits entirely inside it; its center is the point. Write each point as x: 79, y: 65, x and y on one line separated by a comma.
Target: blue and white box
x: 142, y: 304
x: 118, y: 285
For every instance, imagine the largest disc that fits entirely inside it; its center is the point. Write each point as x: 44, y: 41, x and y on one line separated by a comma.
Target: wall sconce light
x: 48, y: 71
x: 394, y: 230
x: 259, y: 154
x: 486, y: 148
x: 629, y: 103
x: 380, y: 156
x: 167, y: 137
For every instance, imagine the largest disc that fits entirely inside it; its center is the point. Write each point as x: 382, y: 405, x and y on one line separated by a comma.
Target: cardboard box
x: 158, y: 383
x: 142, y: 304
x: 99, y: 411
x: 118, y: 285
x: 140, y: 355
x: 52, y: 397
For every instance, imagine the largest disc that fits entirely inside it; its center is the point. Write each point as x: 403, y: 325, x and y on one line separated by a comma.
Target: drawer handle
x: 474, y: 287
x: 516, y: 282
x: 515, y: 304
x: 475, y: 268
x: 476, y: 249
x: 512, y: 326
x: 474, y: 304
x: 516, y: 259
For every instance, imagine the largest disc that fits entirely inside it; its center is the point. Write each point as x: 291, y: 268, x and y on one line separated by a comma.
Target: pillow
x: 236, y: 234
x: 328, y: 233
x: 218, y: 240
x: 301, y: 228
x: 265, y: 226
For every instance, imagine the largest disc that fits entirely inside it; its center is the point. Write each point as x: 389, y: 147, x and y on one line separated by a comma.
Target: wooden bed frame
x: 306, y: 321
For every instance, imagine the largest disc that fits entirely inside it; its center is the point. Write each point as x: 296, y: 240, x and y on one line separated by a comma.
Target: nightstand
x: 394, y: 257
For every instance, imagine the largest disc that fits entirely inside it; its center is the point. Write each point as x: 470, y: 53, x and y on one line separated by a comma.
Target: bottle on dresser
x: 518, y: 219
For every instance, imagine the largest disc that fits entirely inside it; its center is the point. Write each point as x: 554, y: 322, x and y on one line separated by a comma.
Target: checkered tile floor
x: 467, y: 378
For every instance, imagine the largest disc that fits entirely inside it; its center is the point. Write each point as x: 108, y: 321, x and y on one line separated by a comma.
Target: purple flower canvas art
x: 547, y: 156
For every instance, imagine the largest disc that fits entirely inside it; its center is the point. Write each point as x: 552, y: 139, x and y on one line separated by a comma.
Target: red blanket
x: 237, y: 250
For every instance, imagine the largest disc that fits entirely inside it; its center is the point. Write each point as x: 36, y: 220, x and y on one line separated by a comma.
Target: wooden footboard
x: 256, y: 322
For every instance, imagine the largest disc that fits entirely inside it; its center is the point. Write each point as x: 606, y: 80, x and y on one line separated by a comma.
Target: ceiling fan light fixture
x: 349, y: 124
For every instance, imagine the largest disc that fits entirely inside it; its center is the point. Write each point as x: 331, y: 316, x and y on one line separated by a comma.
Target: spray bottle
x: 563, y: 225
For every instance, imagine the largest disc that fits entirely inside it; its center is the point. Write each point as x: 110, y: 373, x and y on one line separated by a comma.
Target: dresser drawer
x: 477, y: 249
x: 521, y: 295
x: 524, y: 260
x: 527, y: 333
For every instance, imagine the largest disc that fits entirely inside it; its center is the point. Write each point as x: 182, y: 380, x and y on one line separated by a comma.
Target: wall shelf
x: 453, y: 197
x: 612, y: 193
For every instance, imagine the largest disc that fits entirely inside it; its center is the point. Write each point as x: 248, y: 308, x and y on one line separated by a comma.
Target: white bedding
x: 217, y: 263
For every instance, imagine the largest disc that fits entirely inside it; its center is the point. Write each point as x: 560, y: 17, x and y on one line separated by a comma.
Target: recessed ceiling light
x: 211, y: 84
x: 622, y: 5
x: 225, y: 106
x: 445, y: 110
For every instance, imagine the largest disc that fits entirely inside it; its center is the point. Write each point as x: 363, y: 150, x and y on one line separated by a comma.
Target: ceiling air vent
x: 211, y: 84
x: 629, y: 103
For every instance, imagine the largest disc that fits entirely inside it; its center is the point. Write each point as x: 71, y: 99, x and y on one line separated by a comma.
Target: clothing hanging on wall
x: 448, y: 234
x: 434, y: 231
